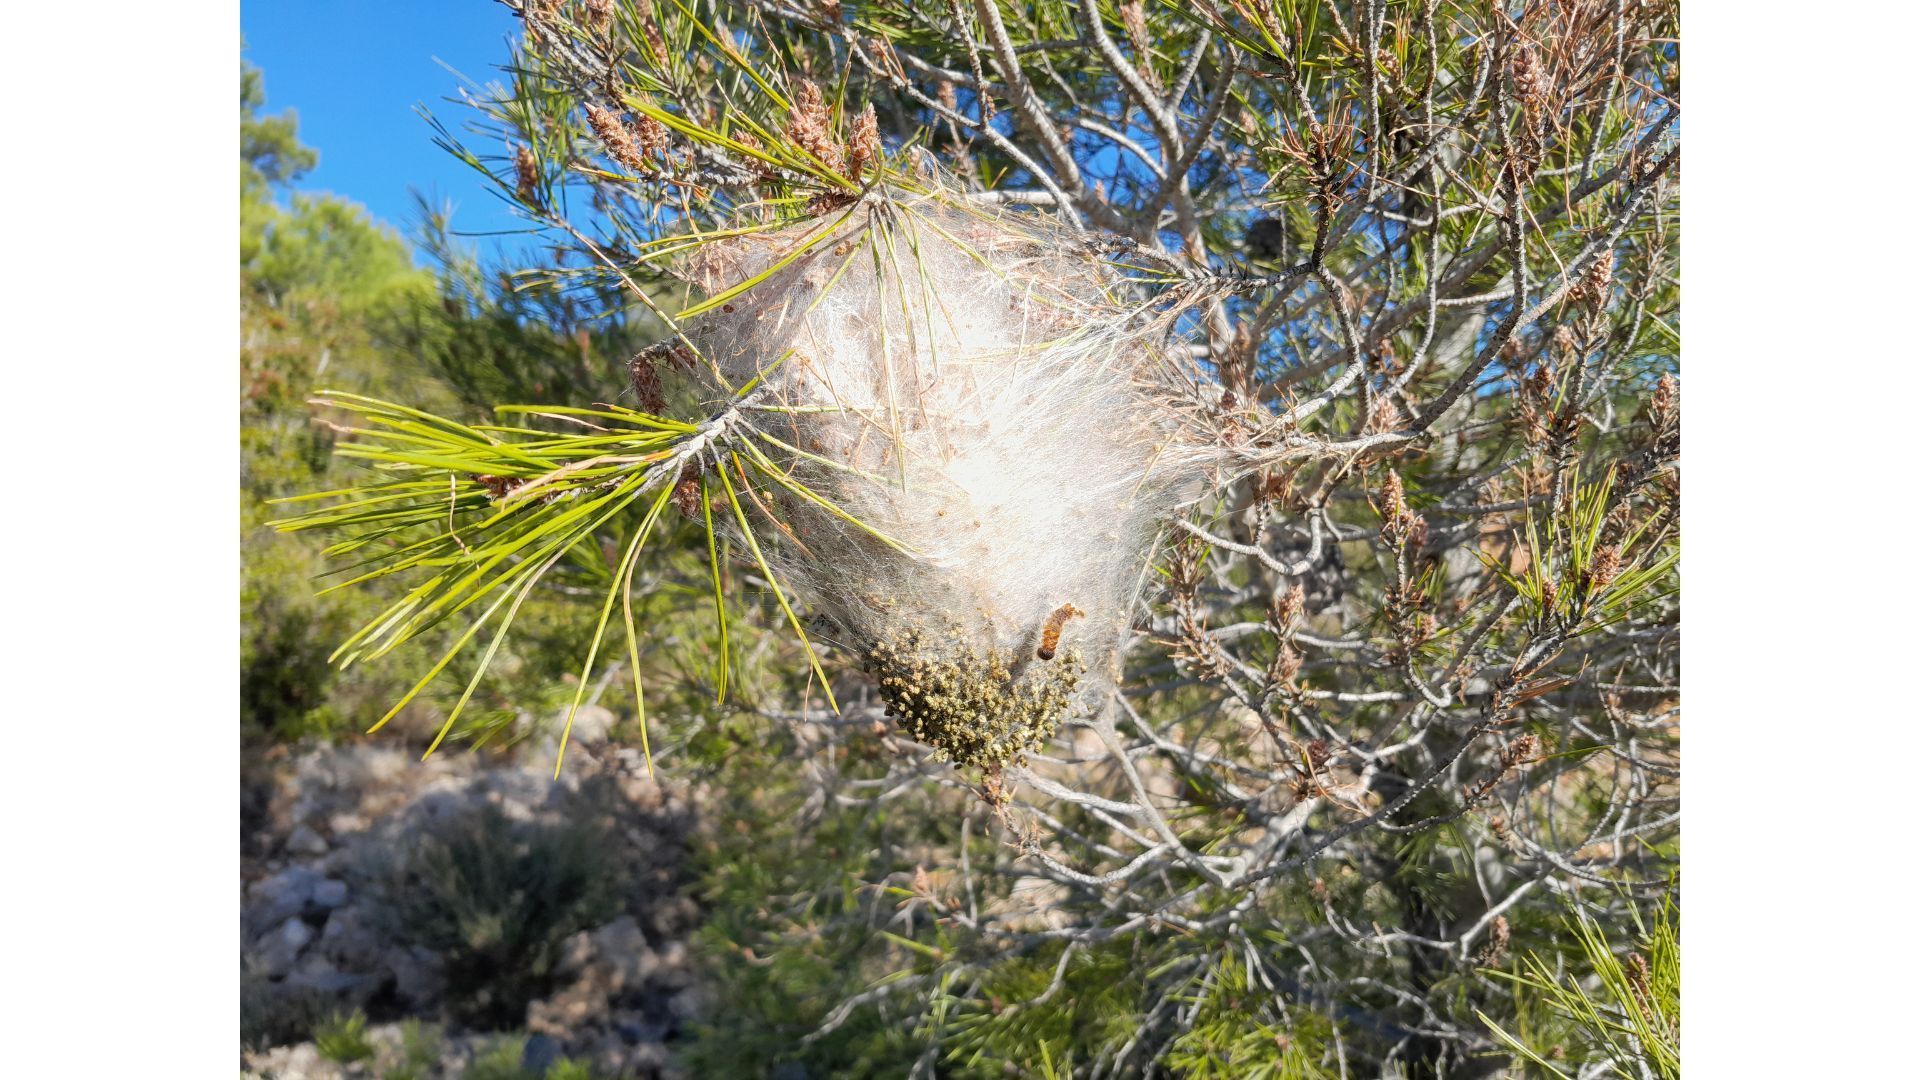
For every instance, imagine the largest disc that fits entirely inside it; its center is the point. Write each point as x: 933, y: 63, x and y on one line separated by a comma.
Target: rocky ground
x: 331, y: 837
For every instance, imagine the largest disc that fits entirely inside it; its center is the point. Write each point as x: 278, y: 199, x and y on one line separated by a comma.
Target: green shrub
x: 505, y: 1061
x: 343, y: 1039
x: 419, y: 1052
x: 271, y: 1015
x: 496, y: 899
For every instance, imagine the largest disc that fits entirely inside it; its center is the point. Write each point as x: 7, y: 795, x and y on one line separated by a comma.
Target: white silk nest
x: 980, y: 389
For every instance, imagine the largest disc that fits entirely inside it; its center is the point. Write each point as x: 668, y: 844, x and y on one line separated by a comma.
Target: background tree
x: 1407, y: 701
x: 316, y: 278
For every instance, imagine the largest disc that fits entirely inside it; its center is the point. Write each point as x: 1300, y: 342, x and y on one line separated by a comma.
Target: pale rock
x: 674, y: 956
x: 575, y: 954
x: 318, y: 975
x: 644, y: 1059
x: 346, y: 824
x: 330, y: 894
x: 621, y: 948
x: 690, y: 1005
x: 301, y: 1061
x: 281, y: 947
x: 591, y: 724
x: 569, y: 1010
x: 305, y: 841
x: 271, y: 901
x: 349, y: 942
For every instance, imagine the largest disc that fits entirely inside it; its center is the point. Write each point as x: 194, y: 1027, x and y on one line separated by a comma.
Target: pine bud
x: 656, y: 45
x: 1524, y: 750
x: 1393, y: 496
x: 1664, y: 409
x: 1639, y: 976
x: 1598, y: 280
x: 1417, y: 533
x: 686, y: 493
x: 1499, y: 935
x: 1563, y: 339
x: 864, y: 143
x: 1384, y: 416
x: 1318, y: 754
x: 1288, y: 607
x: 1529, y: 81
x: 1606, y: 567
x: 1286, y: 665
x: 810, y: 126
x: 616, y: 137
x: 526, y: 175
x: 652, y: 135
x: 1133, y: 16
x: 645, y: 377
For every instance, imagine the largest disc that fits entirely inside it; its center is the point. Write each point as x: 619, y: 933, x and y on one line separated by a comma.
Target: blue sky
x: 355, y: 69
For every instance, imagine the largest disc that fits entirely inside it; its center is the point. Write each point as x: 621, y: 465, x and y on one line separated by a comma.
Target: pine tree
x: 1403, y: 692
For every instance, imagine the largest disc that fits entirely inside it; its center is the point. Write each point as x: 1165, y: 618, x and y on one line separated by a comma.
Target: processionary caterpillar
x: 1050, y: 634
